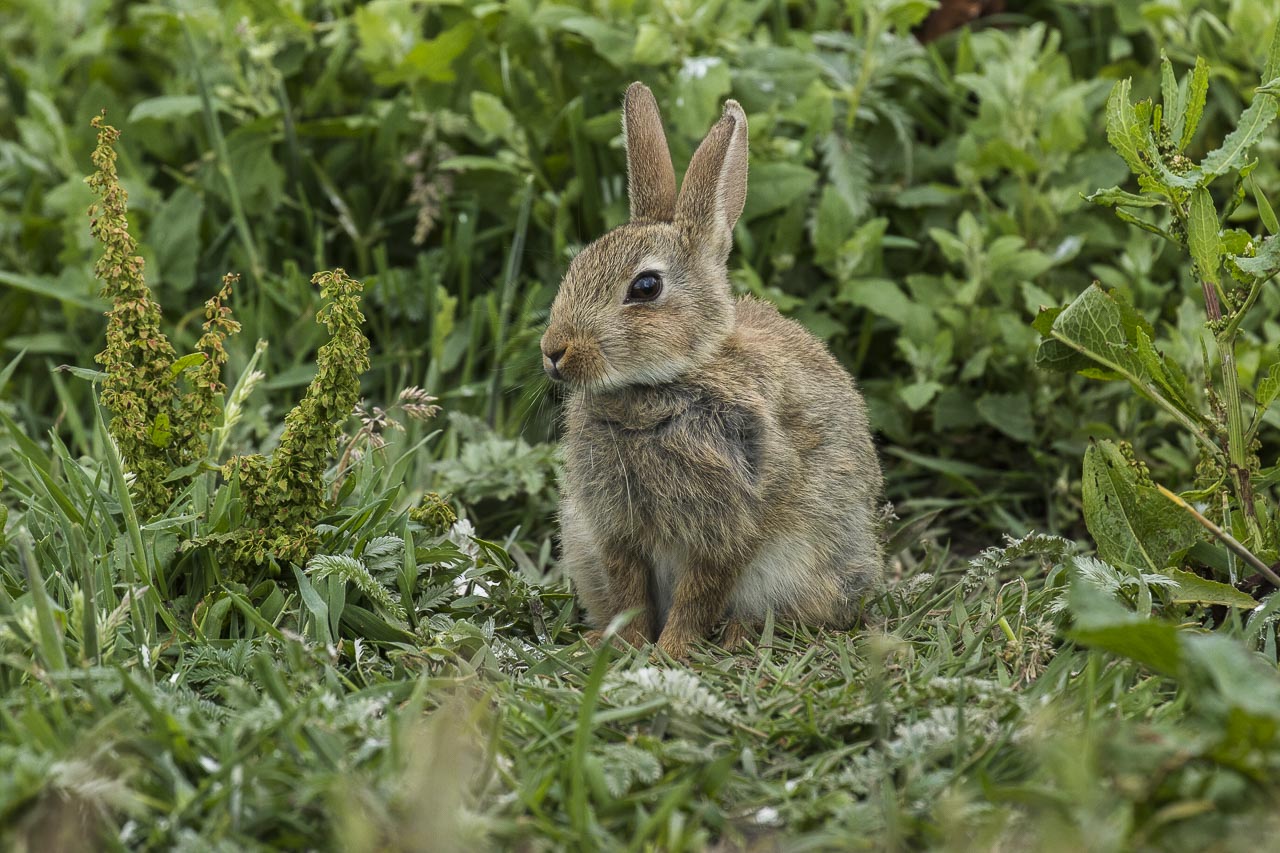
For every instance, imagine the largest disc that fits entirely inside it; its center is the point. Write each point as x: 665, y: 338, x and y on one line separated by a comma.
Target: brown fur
x: 718, y: 460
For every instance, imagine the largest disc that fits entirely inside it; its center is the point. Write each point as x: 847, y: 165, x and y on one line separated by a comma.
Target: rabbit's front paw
x: 676, y: 645
x: 736, y: 636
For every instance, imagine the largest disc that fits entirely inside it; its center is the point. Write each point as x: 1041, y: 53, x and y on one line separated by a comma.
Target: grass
x: 419, y: 682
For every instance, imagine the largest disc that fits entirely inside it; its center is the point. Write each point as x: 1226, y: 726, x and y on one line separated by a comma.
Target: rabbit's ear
x: 715, y: 187
x: 651, y: 180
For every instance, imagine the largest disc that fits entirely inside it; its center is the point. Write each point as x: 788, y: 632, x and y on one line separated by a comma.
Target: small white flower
x: 767, y: 816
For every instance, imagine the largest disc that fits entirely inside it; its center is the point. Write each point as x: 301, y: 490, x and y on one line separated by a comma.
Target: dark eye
x: 644, y: 287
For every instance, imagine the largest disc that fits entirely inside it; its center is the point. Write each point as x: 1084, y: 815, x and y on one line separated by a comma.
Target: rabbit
x: 718, y: 462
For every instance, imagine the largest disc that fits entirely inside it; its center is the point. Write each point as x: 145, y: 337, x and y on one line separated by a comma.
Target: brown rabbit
x: 718, y: 461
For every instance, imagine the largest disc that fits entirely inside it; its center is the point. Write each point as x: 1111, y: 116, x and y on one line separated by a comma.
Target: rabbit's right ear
x: 715, y: 187
x: 651, y: 179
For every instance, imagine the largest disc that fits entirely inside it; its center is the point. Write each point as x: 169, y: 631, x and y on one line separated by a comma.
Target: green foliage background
x: 915, y: 206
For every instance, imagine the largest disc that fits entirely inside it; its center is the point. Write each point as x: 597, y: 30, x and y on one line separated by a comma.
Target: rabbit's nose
x: 551, y: 362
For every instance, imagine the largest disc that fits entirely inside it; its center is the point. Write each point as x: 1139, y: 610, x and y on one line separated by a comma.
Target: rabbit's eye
x: 644, y: 287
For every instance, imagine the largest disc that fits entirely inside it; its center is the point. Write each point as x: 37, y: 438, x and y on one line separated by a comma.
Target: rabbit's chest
x: 685, y: 477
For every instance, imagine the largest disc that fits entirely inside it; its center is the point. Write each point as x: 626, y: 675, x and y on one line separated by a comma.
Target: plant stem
x: 874, y: 23
x: 1226, y: 538
x: 1237, y: 450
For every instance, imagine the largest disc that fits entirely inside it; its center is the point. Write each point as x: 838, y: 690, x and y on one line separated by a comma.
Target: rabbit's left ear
x: 651, y: 179
x: 715, y: 187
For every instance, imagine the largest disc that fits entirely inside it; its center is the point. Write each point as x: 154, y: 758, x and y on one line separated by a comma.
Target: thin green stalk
x: 1226, y: 538
x: 508, y: 296
x: 224, y: 157
x: 51, y: 648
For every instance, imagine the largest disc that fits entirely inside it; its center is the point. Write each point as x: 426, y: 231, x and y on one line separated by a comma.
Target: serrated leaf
x: 1197, y: 92
x: 1120, y: 121
x: 1114, y: 196
x: 1235, y: 148
x: 1168, y: 375
x: 1203, y: 238
x: 1271, y: 67
x: 1133, y: 524
x: 1174, y: 109
x: 1193, y: 589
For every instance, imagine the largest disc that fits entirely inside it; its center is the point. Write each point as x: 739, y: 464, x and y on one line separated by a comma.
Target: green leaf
x: 431, y: 60
x: 1268, y: 391
x: 774, y: 186
x: 1271, y: 67
x: 1197, y: 92
x: 1120, y: 121
x: 175, y: 236
x: 1203, y: 239
x: 1193, y: 589
x: 1154, y: 644
x: 1133, y: 524
x: 170, y: 108
x: 1114, y: 196
x: 1175, y: 110
x: 1265, y: 211
x: 1265, y: 262
x: 918, y: 394
x: 1235, y: 148
x: 1010, y: 414
x: 702, y: 83
x: 187, y: 362
x: 492, y: 116
x: 613, y: 44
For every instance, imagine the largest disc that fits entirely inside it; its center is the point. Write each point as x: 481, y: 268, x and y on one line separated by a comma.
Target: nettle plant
x: 1137, y: 524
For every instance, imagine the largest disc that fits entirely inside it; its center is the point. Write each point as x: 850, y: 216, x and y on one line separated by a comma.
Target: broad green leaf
x: 1265, y: 262
x: 1193, y: 589
x: 1197, y: 92
x: 175, y: 236
x: 1154, y: 644
x: 773, y: 186
x: 1203, y: 239
x: 167, y: 108
x: 918, y: 394
x: 1133, y: 524
x: 1010, y: 414
x: 611, y: 43
x: 703, y: 83
x: 492, y: 116
x: 431, y: 60
x: 1235, y: 148
x: 50, y: 288
x: 1113, y: 196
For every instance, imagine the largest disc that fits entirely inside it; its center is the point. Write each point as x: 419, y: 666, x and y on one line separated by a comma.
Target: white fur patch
x: 782, y: 576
